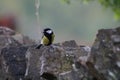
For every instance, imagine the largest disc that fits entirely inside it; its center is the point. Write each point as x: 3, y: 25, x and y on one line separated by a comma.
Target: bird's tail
x: 38, y: 47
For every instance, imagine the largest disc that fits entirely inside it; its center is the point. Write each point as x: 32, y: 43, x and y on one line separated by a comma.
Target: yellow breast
x: 45, y: 40
x: 53, y: 37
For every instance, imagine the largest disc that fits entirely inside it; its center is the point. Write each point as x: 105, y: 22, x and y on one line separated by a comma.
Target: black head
x: 47, y: 31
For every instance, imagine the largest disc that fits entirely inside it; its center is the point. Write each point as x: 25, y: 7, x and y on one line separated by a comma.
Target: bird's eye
x: 49, y: 31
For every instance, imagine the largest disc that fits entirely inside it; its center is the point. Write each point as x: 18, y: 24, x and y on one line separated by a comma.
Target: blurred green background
x: 76, y: 21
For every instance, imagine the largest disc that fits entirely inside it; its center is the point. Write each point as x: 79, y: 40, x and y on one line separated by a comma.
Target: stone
x: 13, y: 62
x: 105, y: 53
x: 19, y: 60
x: 6, y: 31
x: 56, y: 61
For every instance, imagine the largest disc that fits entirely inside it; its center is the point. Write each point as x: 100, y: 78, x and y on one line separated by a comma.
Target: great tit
x: 47, y: 38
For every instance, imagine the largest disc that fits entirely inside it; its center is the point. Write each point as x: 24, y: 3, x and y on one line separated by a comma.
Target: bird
x: 47, y: 38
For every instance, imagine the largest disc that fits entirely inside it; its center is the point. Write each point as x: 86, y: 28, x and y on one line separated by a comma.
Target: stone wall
x: 19, y: 60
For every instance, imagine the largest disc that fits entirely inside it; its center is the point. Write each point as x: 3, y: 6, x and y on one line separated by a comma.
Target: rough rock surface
x: 105, y: 53
x: 49, y: 61
x: 13, y: 62
x: 19, y: 60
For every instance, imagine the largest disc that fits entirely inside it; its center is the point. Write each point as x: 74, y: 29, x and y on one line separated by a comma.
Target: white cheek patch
x: 49, y: 31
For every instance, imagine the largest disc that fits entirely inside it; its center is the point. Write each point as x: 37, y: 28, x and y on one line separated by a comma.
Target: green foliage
x: 114, y: 5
